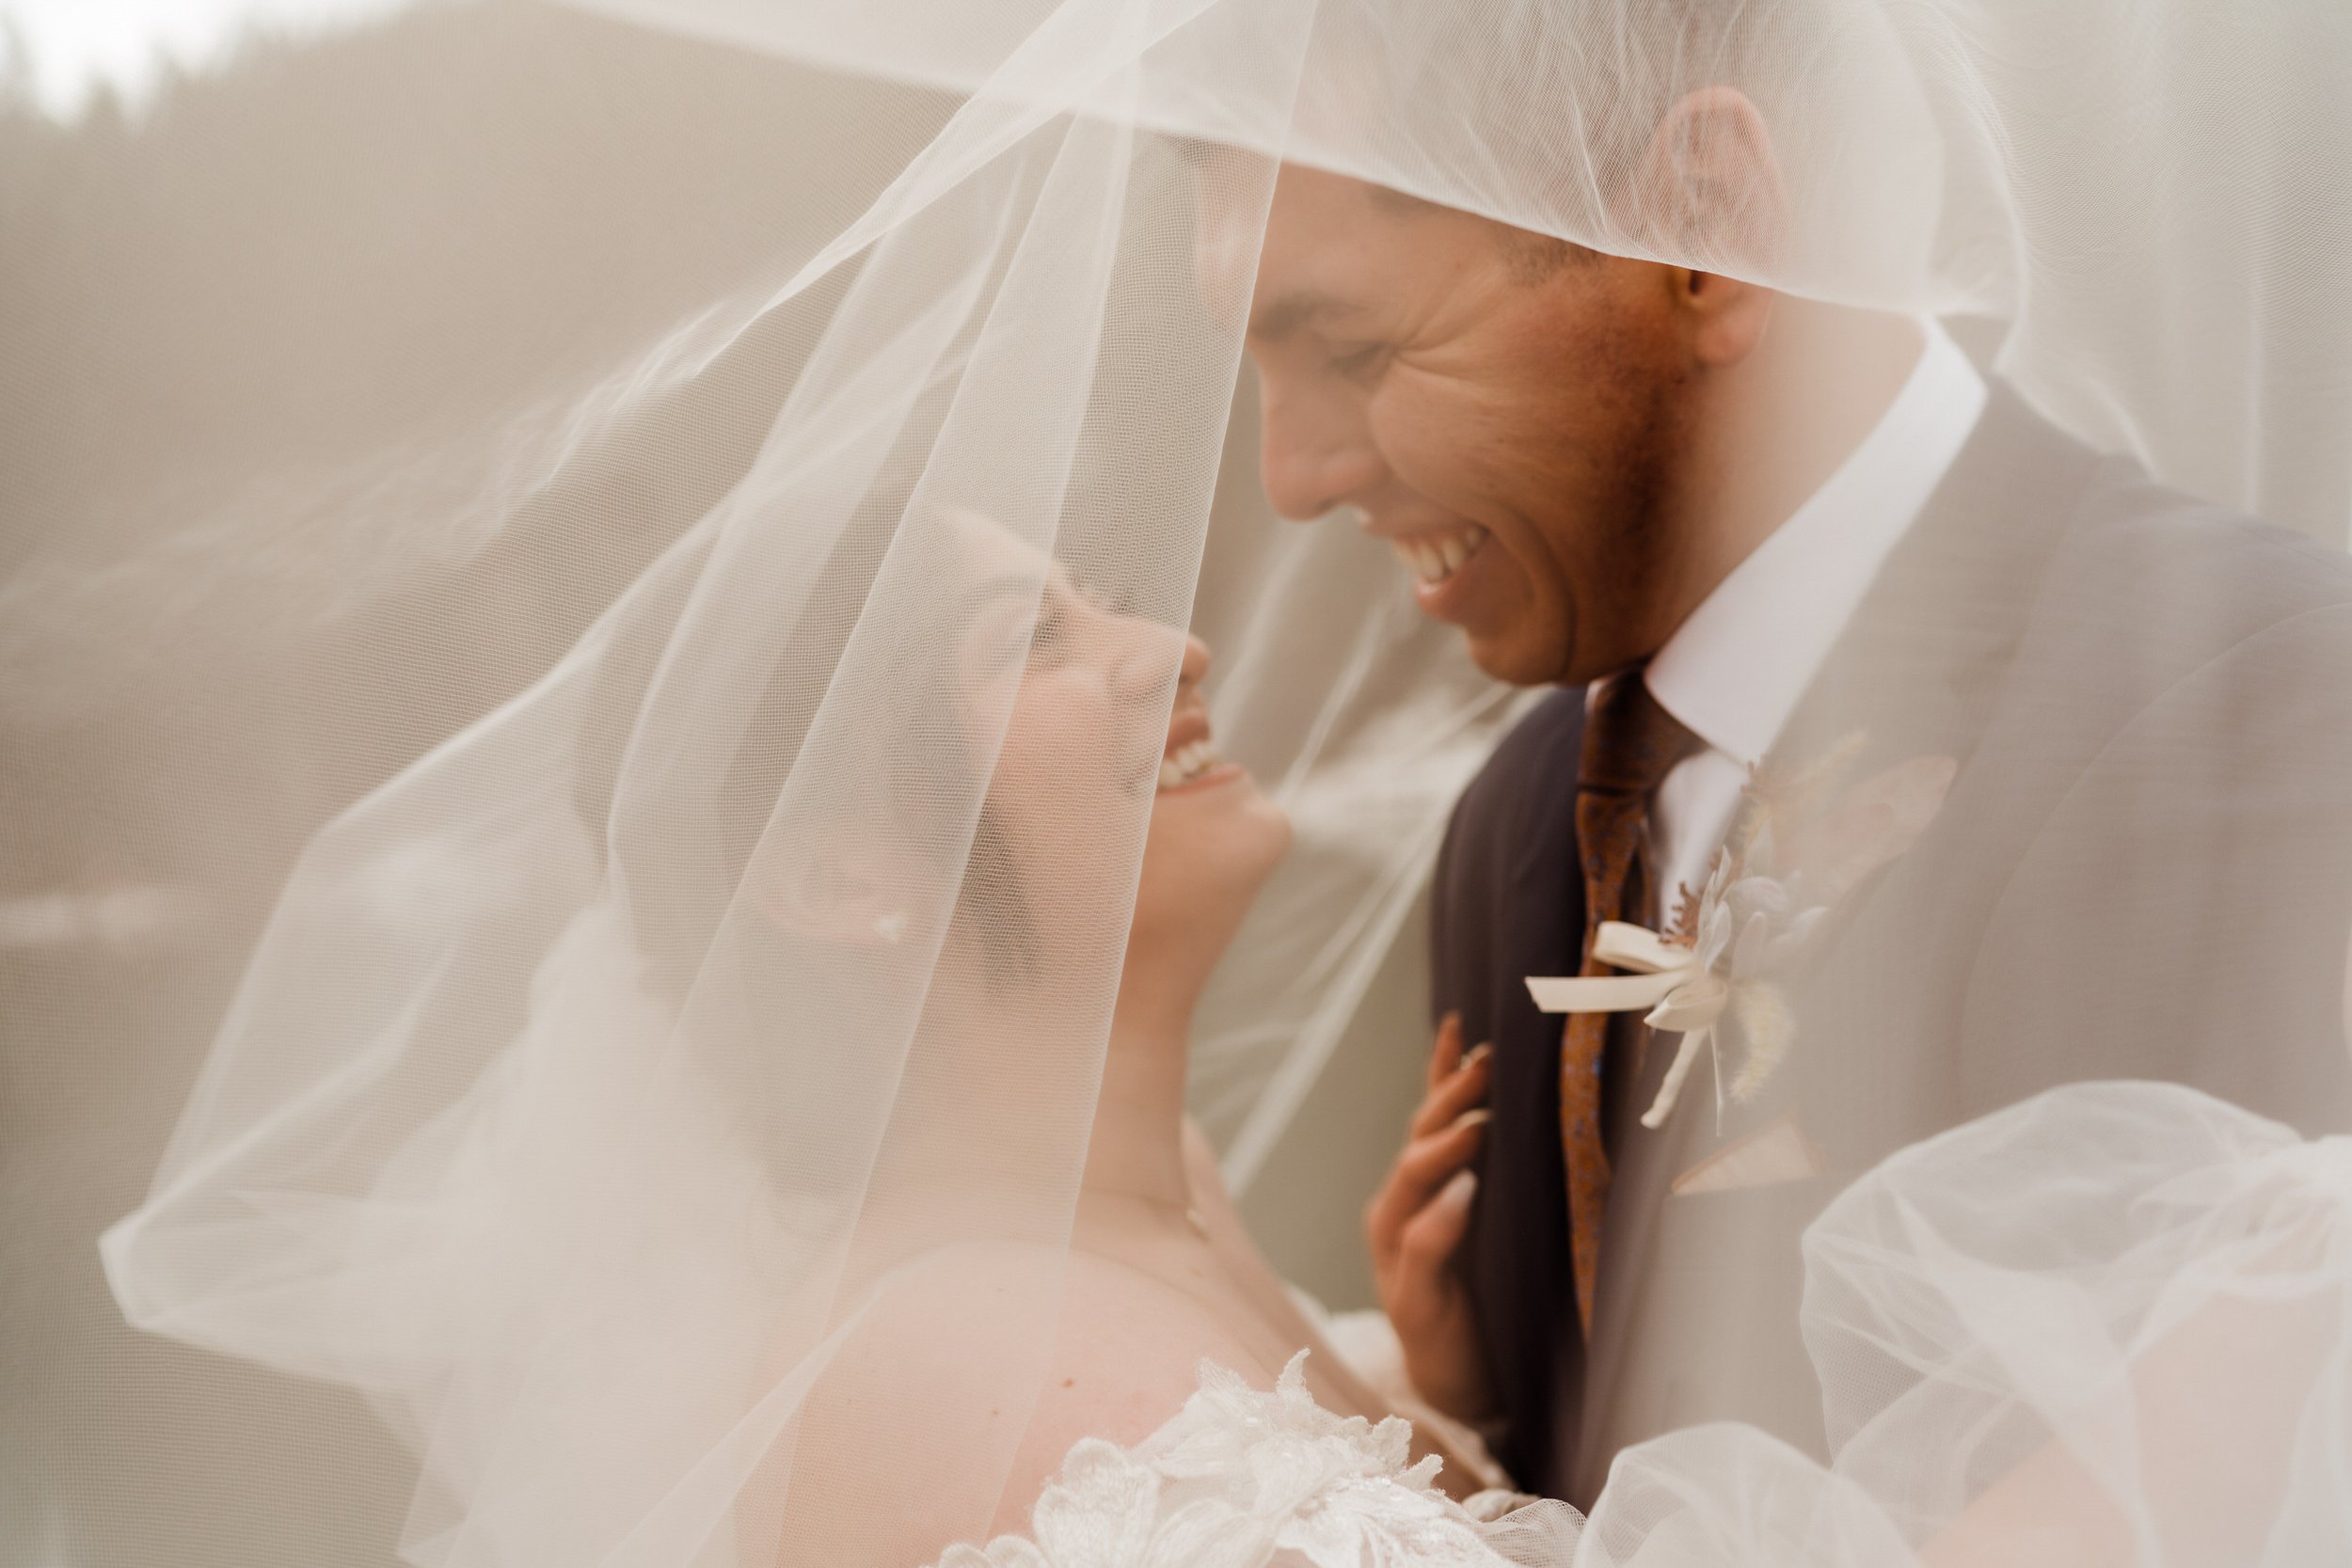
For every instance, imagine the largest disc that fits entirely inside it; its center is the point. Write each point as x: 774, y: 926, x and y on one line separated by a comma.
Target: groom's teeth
x: 1436, y: 556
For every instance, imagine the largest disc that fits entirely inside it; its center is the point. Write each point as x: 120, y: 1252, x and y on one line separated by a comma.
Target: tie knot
x: 1631, y: 743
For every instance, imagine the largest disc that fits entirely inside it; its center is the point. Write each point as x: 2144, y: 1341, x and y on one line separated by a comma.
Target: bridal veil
x: 517, y: 518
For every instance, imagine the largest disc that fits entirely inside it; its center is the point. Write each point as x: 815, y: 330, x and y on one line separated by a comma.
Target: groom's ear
x: 1708, y: 191
x: 1708, y: 199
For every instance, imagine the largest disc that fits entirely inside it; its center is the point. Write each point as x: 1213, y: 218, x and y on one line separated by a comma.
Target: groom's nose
x: 1314, y: 452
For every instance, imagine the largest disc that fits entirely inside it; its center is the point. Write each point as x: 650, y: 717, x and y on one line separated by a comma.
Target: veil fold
x: 516, y: 542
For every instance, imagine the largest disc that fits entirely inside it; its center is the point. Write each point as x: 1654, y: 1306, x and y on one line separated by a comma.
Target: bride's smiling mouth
x: 1191, y: 759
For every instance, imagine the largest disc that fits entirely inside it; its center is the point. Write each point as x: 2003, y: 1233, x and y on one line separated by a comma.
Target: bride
x: 1161, y: 1271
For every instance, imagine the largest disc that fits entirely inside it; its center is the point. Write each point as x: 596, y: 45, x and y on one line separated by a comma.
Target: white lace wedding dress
x: 2111, y: 1325
x: 1243, y: 1476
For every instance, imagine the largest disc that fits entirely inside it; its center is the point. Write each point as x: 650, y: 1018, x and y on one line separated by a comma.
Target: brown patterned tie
x: 1631, y: 744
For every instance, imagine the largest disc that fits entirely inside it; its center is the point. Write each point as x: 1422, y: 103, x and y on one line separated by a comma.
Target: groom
x: 1734, y: 527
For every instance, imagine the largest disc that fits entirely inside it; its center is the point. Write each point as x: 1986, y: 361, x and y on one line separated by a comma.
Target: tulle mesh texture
x: 2034, y: 1355
x: 471, y: 416
x: 524, y: 532
x: 2140, y: 1359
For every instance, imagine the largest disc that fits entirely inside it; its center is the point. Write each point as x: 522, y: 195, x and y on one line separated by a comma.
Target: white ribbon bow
x: 1668, y: 983
x: 1750, y: 924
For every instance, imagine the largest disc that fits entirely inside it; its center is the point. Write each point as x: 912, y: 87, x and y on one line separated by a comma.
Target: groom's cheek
x: 1522, y: 633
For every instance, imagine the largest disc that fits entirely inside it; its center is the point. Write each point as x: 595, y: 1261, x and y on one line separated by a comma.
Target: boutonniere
x: 1802, y: 847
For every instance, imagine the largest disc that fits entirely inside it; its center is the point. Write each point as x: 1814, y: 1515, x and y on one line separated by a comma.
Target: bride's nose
x: 1143, y: 663
x: 1195, y: 668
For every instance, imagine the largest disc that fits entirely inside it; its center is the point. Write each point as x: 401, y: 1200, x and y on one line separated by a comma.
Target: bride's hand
x: 1415, y: 1225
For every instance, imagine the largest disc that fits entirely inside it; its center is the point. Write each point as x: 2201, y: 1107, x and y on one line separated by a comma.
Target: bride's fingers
x: 1426, y: 1165
x: 1465, y: 1088
x: 1447, y: 1053
x: 1431, y: 1238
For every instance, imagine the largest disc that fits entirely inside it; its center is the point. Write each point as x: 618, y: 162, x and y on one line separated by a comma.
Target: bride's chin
x: 1272, y: 826
x: 1203, y: 862
x: 1220, y: 815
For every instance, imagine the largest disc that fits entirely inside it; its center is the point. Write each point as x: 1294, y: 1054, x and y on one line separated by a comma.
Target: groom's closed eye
x: 1358, y: 362
x: 1291, y: 313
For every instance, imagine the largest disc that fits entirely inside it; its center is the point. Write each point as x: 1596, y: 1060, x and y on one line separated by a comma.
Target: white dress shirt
x: 1734, y: 670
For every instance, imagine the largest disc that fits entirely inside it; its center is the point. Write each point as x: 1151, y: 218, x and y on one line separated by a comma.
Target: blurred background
x: 64, y: 55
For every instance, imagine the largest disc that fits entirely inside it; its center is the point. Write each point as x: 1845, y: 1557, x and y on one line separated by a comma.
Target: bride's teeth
x: 1189, y: 762
x: 1456, y: 553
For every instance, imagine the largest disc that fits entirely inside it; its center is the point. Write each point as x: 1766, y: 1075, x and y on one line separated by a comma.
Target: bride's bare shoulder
x: 978, y: 1365
x: 1127, y: 1356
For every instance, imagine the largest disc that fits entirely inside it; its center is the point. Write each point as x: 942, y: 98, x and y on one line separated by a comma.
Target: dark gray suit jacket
x: 2143, y: 871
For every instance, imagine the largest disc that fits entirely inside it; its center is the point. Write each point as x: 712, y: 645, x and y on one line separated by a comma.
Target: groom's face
x: 1504, y: 411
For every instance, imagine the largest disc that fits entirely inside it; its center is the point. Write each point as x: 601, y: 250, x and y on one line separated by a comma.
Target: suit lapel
x: 1920, y: 673
x: 1918, y: 668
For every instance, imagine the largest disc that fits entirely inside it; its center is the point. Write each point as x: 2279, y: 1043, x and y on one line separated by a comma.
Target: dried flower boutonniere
x: 1800, y: 849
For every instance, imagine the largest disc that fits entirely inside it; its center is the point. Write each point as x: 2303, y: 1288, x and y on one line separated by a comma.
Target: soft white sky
x: 76, y: 44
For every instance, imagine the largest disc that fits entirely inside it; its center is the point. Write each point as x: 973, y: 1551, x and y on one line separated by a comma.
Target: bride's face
x: 1088, y: 734
x: 1214, y: 835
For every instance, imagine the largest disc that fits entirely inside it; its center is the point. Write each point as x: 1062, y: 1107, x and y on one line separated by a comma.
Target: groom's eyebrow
x: 1287, y: 313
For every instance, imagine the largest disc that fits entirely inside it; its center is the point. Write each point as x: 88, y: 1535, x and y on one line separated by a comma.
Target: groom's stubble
x: 1434, y: 372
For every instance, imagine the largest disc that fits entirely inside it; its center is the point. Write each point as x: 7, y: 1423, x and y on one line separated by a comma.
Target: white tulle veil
x: 510, y: 515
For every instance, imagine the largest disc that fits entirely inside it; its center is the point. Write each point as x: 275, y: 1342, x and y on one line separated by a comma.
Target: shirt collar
x: 1735, y: 668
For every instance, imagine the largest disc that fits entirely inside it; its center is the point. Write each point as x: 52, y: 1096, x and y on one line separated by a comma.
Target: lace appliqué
x: 1241, y: 1478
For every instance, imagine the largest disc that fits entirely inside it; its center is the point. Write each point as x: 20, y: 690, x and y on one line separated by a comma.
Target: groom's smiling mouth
x: 1438, y: 558
x: 1434, y: 555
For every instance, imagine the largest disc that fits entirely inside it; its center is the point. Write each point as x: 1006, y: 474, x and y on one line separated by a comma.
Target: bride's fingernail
x: 1477, y: 1055
x: 1475, y: 1117
x: 1462, y: 1188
